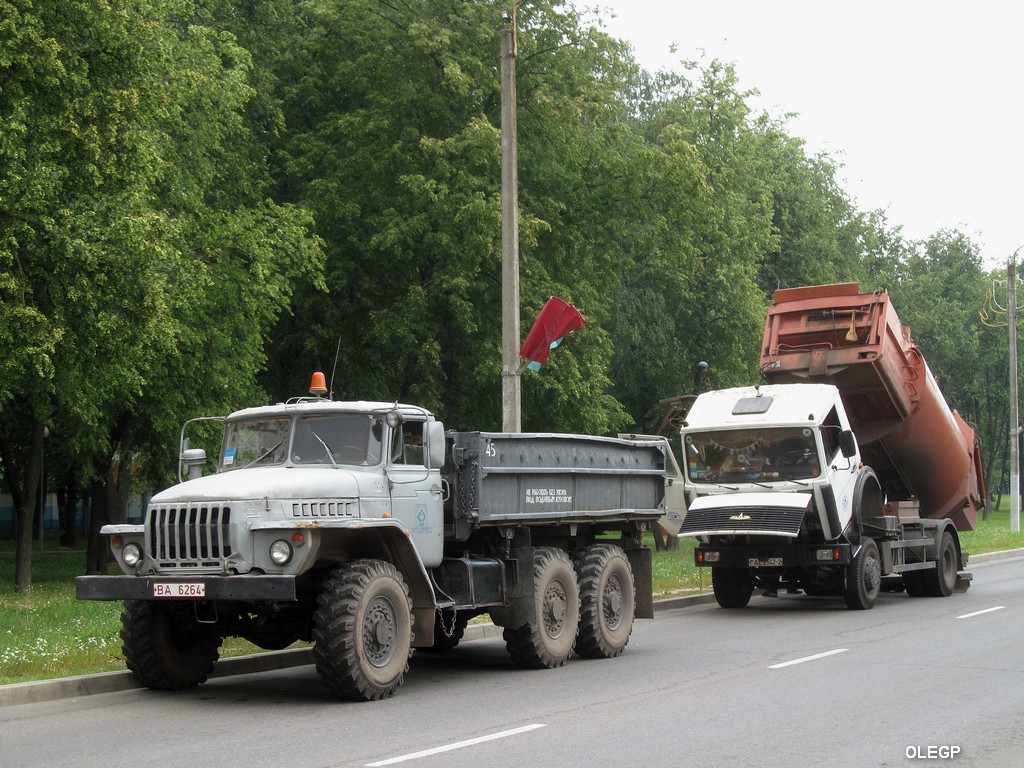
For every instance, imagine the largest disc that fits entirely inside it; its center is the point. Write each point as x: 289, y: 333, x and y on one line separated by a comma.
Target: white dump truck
x: 845, y: 474
x: 365, y: 528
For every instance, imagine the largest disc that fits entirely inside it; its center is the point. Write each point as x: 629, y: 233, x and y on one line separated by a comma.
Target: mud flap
x: 641, y: 561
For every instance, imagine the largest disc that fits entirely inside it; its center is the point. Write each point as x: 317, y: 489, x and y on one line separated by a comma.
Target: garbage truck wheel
x: 941, y: 581
x: 547, y: 641
x: 363, y: 630
x: 607, y: 601
x: 732, y: 587
x: 165, y: 647
x: 863, y: 577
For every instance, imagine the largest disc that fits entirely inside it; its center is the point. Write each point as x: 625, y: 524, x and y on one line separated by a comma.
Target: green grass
x: 48, y: 633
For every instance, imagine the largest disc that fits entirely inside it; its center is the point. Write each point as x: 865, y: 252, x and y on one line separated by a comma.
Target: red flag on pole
x: 557, y: 319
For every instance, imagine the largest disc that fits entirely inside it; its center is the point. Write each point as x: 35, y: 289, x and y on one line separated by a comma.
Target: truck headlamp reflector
x: 131, y: 553
x: 826, y: 554
x: 708, y: 557
x: 281, y: 552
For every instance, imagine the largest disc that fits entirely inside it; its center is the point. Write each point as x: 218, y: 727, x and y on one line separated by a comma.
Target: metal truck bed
x: 536, y: 478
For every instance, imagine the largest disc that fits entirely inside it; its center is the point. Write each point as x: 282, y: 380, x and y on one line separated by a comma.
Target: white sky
x: 920, y: 102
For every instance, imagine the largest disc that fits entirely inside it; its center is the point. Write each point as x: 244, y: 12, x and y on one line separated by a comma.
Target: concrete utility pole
x: 1011, y: 313
x: 511, y: 385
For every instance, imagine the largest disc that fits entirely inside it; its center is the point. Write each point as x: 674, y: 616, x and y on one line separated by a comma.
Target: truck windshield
x: 255, y: 441
x: 331, y: 439
x: 338, y: 438
x: 751, y: 455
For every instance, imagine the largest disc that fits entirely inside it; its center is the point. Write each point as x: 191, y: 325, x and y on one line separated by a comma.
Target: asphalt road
x: 792, y: 681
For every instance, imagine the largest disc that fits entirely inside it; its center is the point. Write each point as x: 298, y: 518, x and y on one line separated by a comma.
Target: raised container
x: 918, y: 446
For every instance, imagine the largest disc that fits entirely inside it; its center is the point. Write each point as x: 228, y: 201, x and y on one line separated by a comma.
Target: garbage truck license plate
x: 178, y: 589
x: 767, y: 562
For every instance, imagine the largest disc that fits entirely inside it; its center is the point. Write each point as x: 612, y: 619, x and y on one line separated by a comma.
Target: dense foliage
x: 201, y: 201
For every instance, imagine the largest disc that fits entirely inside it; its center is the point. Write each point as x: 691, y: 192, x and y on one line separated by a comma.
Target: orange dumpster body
x: 924, y: 454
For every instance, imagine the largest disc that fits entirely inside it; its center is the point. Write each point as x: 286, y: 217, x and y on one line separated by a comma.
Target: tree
x: 130, y: 202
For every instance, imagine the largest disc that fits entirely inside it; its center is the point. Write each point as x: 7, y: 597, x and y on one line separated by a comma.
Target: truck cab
x: 780, y: 453
x: 311, y: 464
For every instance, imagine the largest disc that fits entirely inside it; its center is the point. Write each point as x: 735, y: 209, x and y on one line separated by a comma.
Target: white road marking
x: 978, y: 613
x: 457, y: 745
x: 808, y: 658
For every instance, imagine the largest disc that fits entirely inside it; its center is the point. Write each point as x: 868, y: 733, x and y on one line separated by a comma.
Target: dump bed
x: 538, y: 479
x: 919, y: 448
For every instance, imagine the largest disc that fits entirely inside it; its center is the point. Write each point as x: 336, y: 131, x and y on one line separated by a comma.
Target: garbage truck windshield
x: 752, y: 455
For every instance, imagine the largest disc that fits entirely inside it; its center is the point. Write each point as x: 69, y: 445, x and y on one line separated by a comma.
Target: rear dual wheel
x: 941, y: 581
x: 607, y: 601
x: 547, y: 640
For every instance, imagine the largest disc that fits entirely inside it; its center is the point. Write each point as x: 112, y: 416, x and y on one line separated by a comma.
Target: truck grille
x: 759, y: 519
x: 189, y: 537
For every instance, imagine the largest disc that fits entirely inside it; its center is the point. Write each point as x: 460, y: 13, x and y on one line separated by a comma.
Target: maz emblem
x: 740, y: 516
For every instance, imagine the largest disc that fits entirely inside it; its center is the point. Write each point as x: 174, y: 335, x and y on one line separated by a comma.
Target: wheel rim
x: 612, y: 602
x: 380, y: 628
x: 872, y: 575
x: 555, y: 601
x: 948, y: 565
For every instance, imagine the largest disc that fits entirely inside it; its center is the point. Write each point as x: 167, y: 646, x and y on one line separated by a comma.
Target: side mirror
x: 435, y: 444
x: 847, y: 444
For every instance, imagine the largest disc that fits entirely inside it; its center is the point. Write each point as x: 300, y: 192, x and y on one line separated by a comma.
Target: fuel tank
x: 919, y: 447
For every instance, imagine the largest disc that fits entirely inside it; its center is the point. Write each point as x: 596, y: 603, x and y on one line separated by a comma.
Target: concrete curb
x: 109, y: 682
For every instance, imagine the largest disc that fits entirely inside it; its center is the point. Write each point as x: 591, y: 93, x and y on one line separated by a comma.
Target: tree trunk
x: 97, y: 554
x: 24, y: 498
x: 67, y: 502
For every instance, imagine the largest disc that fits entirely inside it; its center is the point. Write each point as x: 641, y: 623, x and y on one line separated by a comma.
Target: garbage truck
x: 846, y: 473
x: 367, y: 530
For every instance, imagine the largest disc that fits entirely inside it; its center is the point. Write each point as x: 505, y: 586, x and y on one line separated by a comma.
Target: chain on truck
x: 845, y: 474
x: 364, y: 528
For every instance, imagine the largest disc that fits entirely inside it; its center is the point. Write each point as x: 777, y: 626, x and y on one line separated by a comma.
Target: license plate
x: 768, y: 562
x: 179, y: 589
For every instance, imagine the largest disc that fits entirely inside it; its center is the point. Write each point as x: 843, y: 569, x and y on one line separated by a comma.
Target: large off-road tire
x: 732, y: 587
x: 362, y: 628
x: 547, y: 641
x: 165, y: 647
x: 940, y: 581
x: 863, y: 577
x: 607, y: 601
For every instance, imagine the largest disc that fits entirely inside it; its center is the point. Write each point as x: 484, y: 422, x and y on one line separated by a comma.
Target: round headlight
x: 281, y: 552
x: 131, y: 553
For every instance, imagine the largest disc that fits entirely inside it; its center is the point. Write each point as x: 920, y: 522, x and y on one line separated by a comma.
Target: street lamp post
x: 1011, y: 315
x: 511, y: 386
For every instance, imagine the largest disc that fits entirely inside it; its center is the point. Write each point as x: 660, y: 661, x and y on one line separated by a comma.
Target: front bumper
x: 760, y: 556
x: 241, y: 588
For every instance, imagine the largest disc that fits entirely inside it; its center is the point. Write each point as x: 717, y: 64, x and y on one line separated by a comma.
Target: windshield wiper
x: 264, y: 455
x: 720, y: 485
x: 326, y: 448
